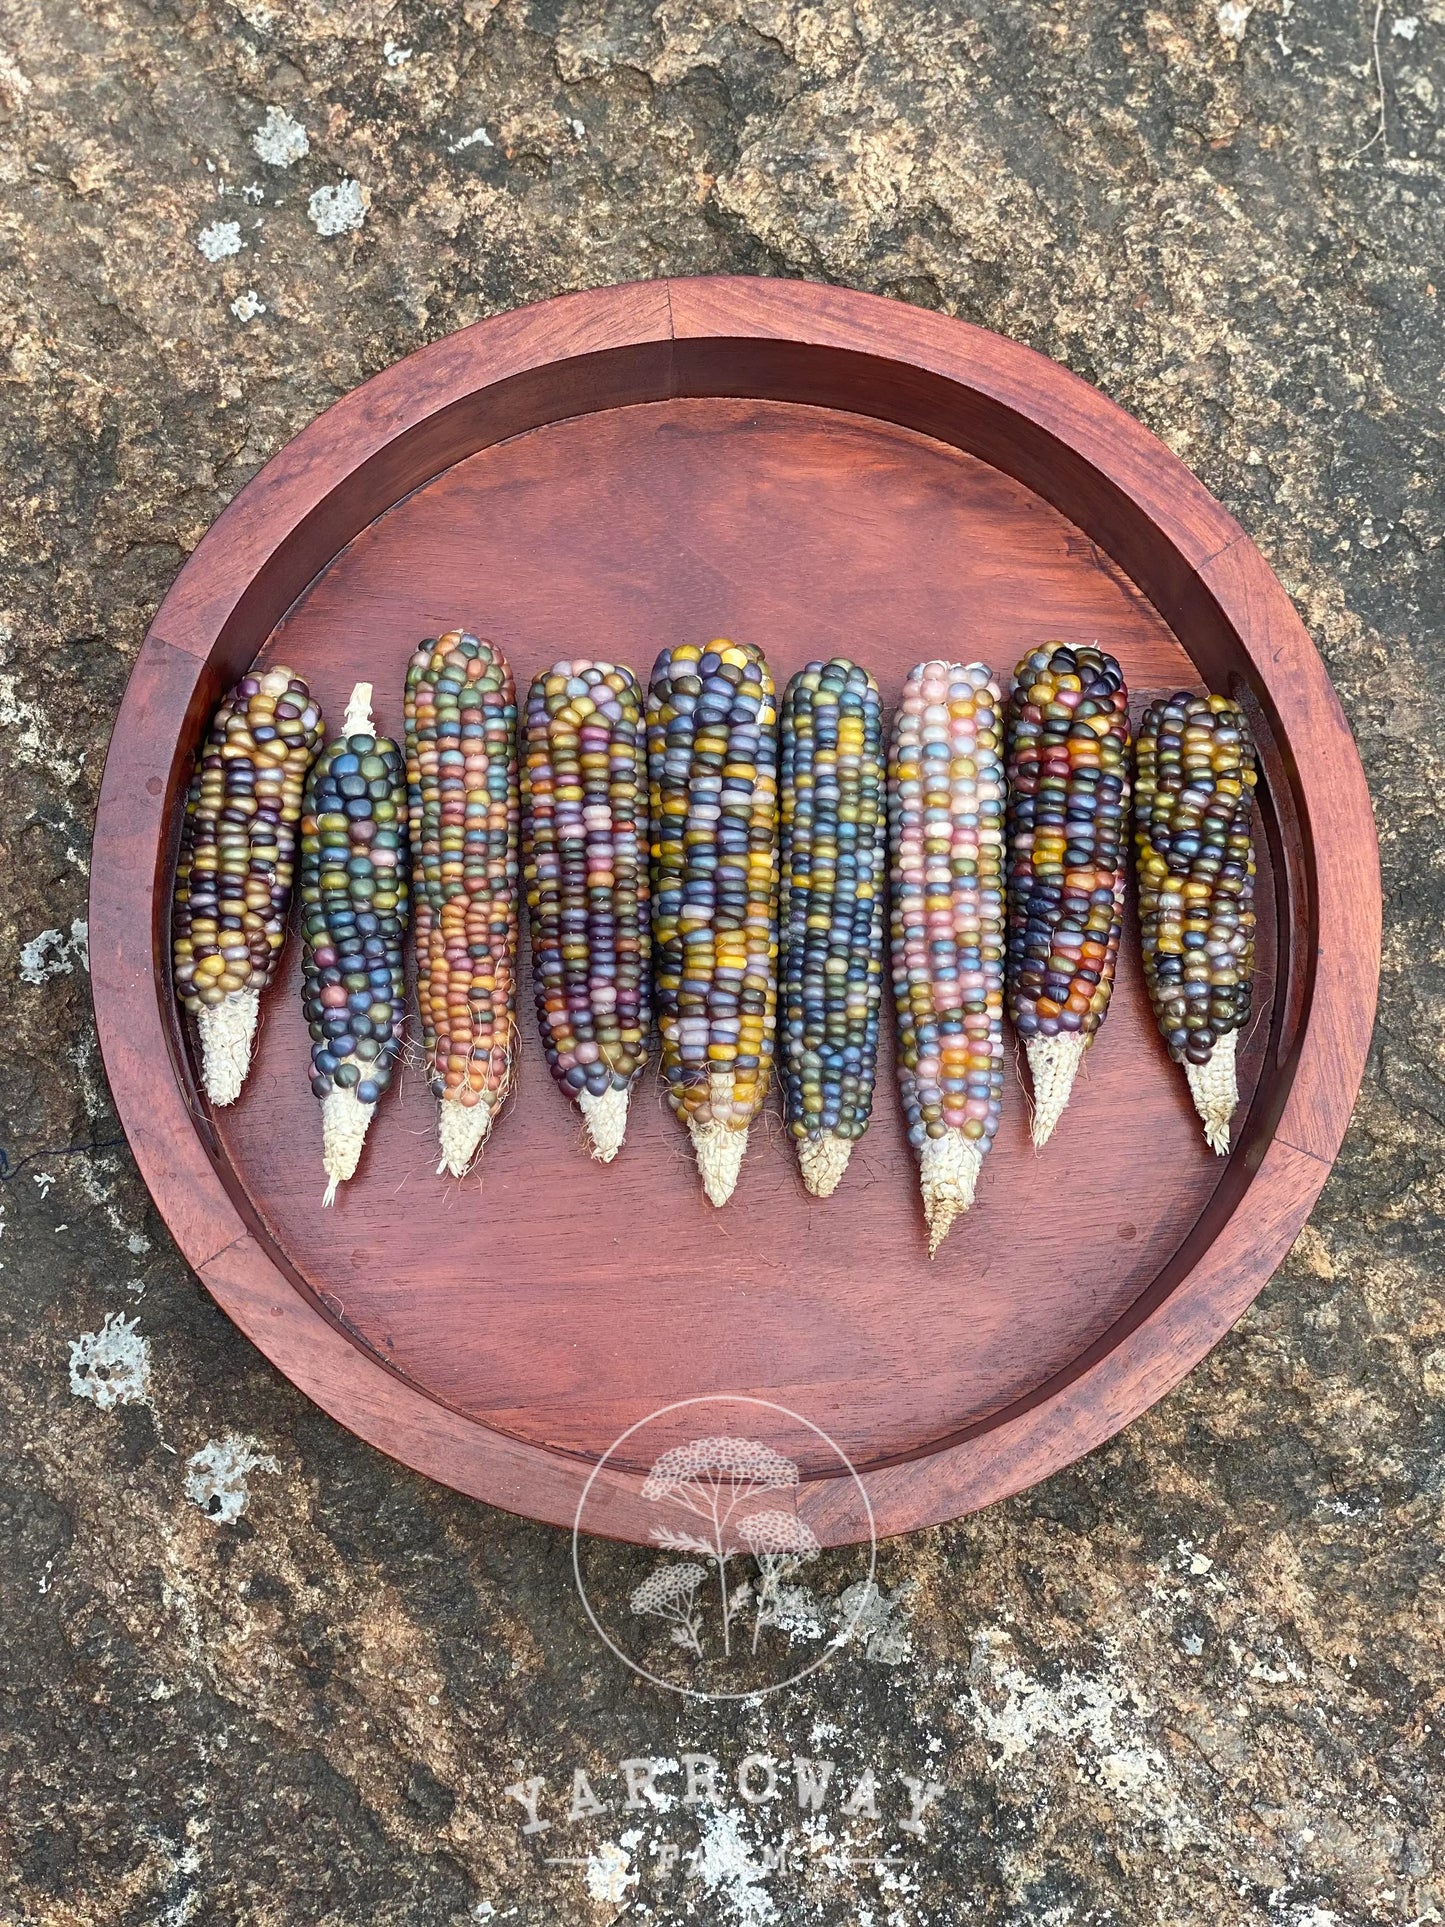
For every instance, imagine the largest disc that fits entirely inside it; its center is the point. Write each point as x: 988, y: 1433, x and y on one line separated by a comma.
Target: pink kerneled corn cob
x: 945, y: 834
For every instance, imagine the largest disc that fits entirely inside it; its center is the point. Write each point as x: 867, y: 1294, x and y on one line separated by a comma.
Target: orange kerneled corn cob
x: 464, y: 807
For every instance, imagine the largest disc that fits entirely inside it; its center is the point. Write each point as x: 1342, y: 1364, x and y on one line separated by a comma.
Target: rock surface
x: 253, y: 1671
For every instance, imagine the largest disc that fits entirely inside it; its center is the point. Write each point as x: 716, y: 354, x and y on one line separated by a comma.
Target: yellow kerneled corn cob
x: 1193, y: 814
x: 584, y: 859
x: 946, y: 922
x: 464, y: 807
x: 712, y: 760
x: 236, y: 862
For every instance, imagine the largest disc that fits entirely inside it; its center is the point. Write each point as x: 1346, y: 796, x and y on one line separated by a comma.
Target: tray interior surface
x: 559, y: 1301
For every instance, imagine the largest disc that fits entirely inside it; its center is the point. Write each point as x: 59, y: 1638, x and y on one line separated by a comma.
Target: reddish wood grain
x: 816, y: 471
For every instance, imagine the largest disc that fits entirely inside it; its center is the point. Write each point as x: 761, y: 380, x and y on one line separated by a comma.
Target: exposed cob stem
x: 462, y: 1130
x: 822, y: 1159
x: 344, y: 1121
x: 948, y: 1173
x: 357, y: 720
x: 227, y: 1032
x: 606, y: 1119
x: 1215, y: 1089
x: 1053, y: 1065
x: 720, y: 1150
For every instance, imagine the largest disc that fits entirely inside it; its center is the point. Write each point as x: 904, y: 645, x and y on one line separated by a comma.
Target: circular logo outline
x: 834, y: 1646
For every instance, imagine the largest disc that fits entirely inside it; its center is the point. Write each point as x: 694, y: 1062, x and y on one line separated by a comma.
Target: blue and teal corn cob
x: 712, y: 757
x: 353, y: 920
x: 834, y: 856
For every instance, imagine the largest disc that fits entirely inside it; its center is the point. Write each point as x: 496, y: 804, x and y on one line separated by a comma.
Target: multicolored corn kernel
x: 946, y: 925
x: 1068, y: 783
x: 353, y: 920
x: 584, y: 862
x: 834, y: 856
x: 236, y: 862
x: 1193, y: 817
x: 712, y: 758
x: 464, y: 807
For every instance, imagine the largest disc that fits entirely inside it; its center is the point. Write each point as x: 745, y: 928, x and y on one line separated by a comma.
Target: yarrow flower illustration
x: 711, y: 1478
x: 670, y: 1592
x: 780, y: 1542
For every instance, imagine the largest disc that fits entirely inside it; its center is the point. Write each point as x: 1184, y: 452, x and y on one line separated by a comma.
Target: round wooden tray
x: 817, y: 472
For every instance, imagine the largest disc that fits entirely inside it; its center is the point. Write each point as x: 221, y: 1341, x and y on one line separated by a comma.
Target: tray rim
x: 296, y: 505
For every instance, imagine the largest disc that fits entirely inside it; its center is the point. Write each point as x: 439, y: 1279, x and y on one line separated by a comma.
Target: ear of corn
x: 584, y: 862
x: 236, y: 863
x: 354, y: 910
x: 834, y: 836
x: 712, y: 768
x: 1193, y: 816
x: 464, y: 807
x: 946, y: 920
x: 1068, y: 780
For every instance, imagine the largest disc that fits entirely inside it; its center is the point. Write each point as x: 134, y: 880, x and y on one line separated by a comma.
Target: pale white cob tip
x: 344, y: 1121
x: 357, y: 720
x: 461, y: 1132
x: 606, y: 1120
x: 948, y: 1173
x: 822, y: 1159
x: 1053, y: 1065
x: 1215, y: 1089
x: 227, y: 1032
x: 719, y: 1145
x: 719, y: 1158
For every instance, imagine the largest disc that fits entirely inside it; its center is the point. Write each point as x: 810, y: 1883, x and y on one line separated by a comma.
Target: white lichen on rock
x: 220, y: 239
x: 112, y: 1366
x: 340, y: 209
x: 280, y: 141
x: 52, y: 954
x: 216, y: 1475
